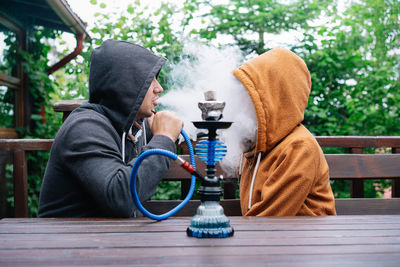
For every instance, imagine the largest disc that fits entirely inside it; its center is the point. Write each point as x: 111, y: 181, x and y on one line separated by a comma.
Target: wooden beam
x: 10, y: 81
x: 8, y: 133
x: 231, y: 207
x: 367, y: 206
x: 26, y: 144
x: 342, y: 166
x: 356, y: 186
x: 68, y: 105
x: 366, y: 166
x: 396, y: 182
x: 344, y: 206
x: 346, y: 141
x: 20, y: 184
x: 358, y: 141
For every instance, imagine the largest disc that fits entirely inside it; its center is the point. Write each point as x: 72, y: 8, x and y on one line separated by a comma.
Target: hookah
x: 209, y: 220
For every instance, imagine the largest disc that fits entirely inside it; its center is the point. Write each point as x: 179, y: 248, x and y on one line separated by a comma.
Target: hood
x: 120, y: 75
x: 279, y: 84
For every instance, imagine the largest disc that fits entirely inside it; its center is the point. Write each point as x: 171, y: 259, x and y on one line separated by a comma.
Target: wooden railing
x: 355, y: 144
x: 355, y: 167
x: 20, y: 169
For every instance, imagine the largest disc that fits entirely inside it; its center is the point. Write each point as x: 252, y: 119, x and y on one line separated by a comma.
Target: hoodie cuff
x: 161, y: 142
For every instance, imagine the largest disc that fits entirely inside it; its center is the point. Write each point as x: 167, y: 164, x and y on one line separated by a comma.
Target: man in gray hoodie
x: 93, y: 153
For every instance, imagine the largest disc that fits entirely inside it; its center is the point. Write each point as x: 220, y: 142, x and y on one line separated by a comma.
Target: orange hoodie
x: 286, y: 174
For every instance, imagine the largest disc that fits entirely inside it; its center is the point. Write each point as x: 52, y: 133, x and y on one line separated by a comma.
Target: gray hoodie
x: 86, y: 175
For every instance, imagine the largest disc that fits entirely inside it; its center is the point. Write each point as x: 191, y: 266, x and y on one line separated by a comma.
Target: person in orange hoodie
x: 285, y: 173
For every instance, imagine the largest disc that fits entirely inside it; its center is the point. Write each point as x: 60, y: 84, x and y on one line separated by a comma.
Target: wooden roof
x: 55, y: 14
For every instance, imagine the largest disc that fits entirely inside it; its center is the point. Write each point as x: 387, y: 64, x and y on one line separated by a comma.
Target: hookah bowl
x: 210, y: 220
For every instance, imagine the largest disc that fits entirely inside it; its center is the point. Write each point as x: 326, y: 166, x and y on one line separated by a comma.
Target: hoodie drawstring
x: 240, y: 166
x: 144, y: 132
x: 253, y: 178
x: 134, y: 138
x: 123, y: 146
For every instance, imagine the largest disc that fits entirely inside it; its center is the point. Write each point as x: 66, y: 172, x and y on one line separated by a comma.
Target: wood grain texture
x: 26, y: 144
x: 294, y: 241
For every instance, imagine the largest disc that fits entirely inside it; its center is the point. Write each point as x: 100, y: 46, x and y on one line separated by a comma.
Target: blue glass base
x: 210, y: 222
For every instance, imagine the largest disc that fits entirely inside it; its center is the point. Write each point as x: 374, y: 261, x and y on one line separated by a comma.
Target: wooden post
x: 185, y: 186
x: 356, y: 186
x: 229, y: 188
x: 20, y: 184
x: 5, y: 158
x: 396, y: 182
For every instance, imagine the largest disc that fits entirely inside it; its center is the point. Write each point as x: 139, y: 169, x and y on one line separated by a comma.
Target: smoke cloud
x: 203, y: 68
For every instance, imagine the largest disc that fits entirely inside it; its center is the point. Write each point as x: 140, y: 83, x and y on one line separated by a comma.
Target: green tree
x: 377, y: 91
x: 247, y: 22
x: 136, y: 23
x: 354, y: 67
x: 355, y: 80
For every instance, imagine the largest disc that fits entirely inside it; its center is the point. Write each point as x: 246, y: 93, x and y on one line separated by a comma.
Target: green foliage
x: 10, y: 57
x: 7, y: 98
x: 354, y: 71
x: 73, y: 79
x: 355, y: 80
x: 248, y: 21
x: 7, y: 95
x: 41, y: 88
x: 152, y: 29
x: 168, y: 191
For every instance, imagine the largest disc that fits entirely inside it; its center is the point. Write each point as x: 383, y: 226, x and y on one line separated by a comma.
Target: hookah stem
x: 210, y: 190
x: 212, y: 134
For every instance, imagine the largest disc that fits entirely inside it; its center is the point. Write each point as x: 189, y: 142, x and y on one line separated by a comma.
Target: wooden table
x: 295, y: 241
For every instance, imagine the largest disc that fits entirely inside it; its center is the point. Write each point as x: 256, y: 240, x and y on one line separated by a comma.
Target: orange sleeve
x: 282, y: 187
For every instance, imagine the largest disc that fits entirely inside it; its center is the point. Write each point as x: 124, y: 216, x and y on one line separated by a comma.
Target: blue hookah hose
x: 173, y: 156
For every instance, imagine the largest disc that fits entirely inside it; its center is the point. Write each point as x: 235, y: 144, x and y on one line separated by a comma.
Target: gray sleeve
x: 94, y: 157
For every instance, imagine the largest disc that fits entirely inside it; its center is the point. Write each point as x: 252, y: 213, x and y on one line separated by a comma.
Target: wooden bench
x: 355, y: 167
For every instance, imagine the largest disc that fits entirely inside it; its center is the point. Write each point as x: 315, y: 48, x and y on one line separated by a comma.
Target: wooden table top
x: 295, y: 241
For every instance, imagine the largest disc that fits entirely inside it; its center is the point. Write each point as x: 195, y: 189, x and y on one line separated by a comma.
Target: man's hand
x: 166, y: 123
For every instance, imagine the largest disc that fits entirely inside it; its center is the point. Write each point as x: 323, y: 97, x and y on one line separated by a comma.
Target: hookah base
x: 210, y: 222
x: 209, y: 232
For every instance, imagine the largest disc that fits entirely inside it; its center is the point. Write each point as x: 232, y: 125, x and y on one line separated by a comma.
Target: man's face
x: 150, y: 100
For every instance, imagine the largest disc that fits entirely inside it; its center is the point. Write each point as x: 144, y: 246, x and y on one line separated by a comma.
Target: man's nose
x: 158, y: 88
